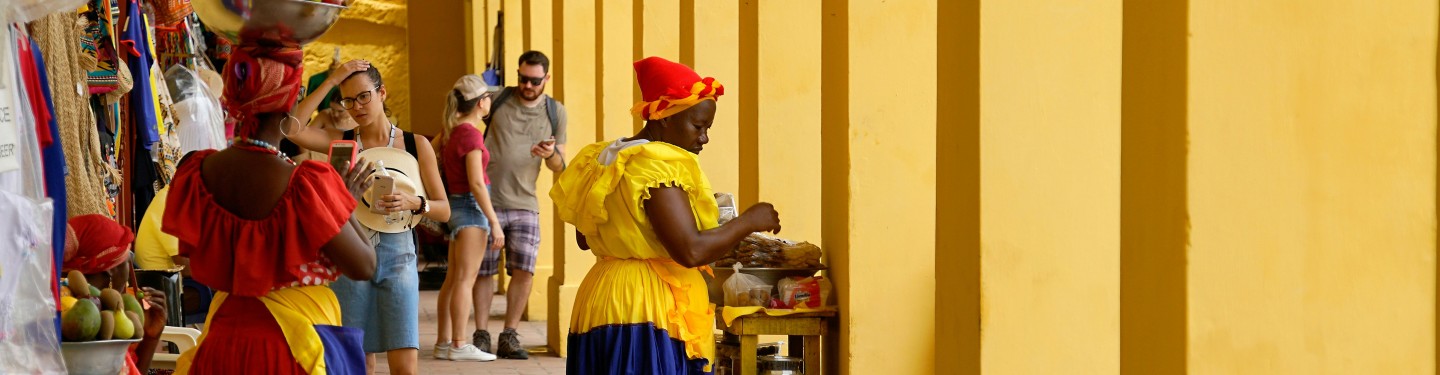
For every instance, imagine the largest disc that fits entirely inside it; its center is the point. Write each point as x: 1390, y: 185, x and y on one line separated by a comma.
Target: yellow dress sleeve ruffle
x: 583, y: 189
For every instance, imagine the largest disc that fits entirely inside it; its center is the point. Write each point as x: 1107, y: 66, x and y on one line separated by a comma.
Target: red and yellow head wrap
x: 261, y: 80
x: 669, y: 87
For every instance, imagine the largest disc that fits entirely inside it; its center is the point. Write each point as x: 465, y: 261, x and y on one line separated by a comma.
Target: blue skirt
x: 629, y: 349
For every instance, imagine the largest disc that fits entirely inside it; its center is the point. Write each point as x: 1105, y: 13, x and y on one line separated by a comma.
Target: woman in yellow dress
x: 645, y: 208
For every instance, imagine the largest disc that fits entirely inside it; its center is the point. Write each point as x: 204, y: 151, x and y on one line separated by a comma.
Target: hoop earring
x: 282, y: 124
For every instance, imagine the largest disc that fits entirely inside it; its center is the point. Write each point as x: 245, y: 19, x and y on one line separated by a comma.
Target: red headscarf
x: 261, y: 80
x: 669, y: 87
x: 96, y: 243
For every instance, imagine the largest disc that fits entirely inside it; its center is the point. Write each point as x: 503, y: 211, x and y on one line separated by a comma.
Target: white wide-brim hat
x: 406, y: 171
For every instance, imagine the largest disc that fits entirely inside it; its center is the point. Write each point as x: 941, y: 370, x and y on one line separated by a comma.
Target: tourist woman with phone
x: 386, y: 307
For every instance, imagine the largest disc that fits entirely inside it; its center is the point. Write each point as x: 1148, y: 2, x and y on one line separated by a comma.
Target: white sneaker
x: 470, y: 353
x: 442, y: 351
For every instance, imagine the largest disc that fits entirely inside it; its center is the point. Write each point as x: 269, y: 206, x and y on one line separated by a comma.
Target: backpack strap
x: 551, y: 111
x: 409, y: 139
x: 554, y: 114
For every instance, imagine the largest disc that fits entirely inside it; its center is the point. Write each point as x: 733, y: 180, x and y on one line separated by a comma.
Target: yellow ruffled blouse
x: 635, y: 281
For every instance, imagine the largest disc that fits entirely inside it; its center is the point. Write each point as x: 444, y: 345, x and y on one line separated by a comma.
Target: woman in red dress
x: 268, y: 235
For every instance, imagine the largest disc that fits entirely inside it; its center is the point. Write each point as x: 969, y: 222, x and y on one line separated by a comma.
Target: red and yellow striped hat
x: 669, y: 87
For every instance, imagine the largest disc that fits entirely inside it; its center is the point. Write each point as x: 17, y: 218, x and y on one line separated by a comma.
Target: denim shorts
x: 388, y: 306
x: 465, y: 213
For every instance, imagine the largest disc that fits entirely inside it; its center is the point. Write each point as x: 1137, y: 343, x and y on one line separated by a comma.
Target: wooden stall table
x: 808, y: 326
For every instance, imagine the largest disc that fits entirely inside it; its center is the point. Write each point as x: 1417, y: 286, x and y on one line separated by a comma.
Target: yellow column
x: 878, y: 185
x: 1049, y: 186
x: 475, y: 55
x: 617, y: 75
x: 577, y: 85
x: 789, y: 114
x: 539, y: 28
x: 514, y: 38
x: 1312, y: 187
x: 957, y: 181
x: 717, y: 54
x: 1154, y: 221
x: 660, y: 28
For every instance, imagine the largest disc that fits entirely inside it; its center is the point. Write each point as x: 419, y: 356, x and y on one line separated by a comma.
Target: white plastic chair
x: 184, y: 339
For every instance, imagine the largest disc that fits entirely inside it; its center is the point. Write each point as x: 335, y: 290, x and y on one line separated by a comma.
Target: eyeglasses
x: 534, y: 81
x: 362, y: 99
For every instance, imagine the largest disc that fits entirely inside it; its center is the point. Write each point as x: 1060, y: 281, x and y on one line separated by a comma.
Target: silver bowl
x: 771, y: 277
x: 287, y: 23
x: 95, y: 357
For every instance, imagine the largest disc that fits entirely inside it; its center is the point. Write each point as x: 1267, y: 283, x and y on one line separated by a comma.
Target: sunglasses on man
x: 533, y: 81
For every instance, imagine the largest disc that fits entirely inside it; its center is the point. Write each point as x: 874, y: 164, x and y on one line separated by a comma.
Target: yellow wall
x: 1049, y: 186
x: 1272, y: 211
x: 437, y: 43
x: 376, y: 30
x: 1312, y: 187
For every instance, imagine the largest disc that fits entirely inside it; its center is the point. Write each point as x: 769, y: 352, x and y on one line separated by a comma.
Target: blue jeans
x: 465, y: 212
x: 388, y: 306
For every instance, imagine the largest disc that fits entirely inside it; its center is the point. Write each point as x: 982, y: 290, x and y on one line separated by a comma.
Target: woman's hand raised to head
x: 340, y: 73
x: 357, y: 179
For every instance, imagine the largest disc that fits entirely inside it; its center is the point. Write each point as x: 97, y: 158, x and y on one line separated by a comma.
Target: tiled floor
x: 532, y: 335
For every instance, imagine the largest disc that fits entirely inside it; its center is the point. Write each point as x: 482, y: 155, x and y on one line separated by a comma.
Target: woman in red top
x: 464, y: 158
x: 268, y: 235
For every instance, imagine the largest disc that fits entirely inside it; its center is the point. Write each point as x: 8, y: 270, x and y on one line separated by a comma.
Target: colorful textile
x: 635, y: 286
x: 667, y: 88
x: 240, y: 337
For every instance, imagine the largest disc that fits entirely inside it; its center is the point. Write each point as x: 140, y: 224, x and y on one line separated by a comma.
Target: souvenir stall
x: 99, y: 101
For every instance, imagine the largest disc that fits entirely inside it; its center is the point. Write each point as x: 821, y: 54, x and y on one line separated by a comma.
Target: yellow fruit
x: 124, y: 328
x: 66, y: 302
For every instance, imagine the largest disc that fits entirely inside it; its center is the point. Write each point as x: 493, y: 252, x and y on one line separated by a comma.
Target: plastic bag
x: 29, y: 337
x: 738, y: 286
x: 726, y: 202
x: 804, y: 292
x: 200, y: 120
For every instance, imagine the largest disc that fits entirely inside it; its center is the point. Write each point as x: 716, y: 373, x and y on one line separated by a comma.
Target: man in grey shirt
x: 526, y: 128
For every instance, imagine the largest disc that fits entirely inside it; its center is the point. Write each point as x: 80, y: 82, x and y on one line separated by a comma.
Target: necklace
x: 255, y: 145
x: 361, y: 144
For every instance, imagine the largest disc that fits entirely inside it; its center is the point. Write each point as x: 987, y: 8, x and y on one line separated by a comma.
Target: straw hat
x: 406, y: 171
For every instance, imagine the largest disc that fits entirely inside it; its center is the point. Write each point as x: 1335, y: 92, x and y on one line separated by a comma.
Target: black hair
x: 535, y: 58
x: 374, y: 74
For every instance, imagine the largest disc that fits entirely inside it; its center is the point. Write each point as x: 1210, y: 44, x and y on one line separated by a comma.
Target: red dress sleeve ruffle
x: 252, y: 257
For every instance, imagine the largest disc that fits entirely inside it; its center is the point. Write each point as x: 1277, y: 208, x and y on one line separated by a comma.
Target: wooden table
x: 806, y: 327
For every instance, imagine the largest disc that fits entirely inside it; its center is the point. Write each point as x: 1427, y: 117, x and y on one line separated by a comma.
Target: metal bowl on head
x: 285, y: 23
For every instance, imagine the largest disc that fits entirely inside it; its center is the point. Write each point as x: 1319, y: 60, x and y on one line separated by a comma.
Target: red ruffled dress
x: 270, y: 274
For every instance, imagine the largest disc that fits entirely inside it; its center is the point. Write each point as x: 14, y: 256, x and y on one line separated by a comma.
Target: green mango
x: 133, y: 305
x: 94, y: 292
x: 81, y: 322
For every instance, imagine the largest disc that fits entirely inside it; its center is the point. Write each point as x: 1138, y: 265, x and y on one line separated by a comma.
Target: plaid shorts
x: 522, y: 243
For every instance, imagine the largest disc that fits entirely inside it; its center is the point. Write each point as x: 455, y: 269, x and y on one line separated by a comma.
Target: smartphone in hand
x: 341, y: 154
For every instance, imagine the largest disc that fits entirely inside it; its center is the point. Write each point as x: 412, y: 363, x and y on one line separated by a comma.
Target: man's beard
x: 526, y: 93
